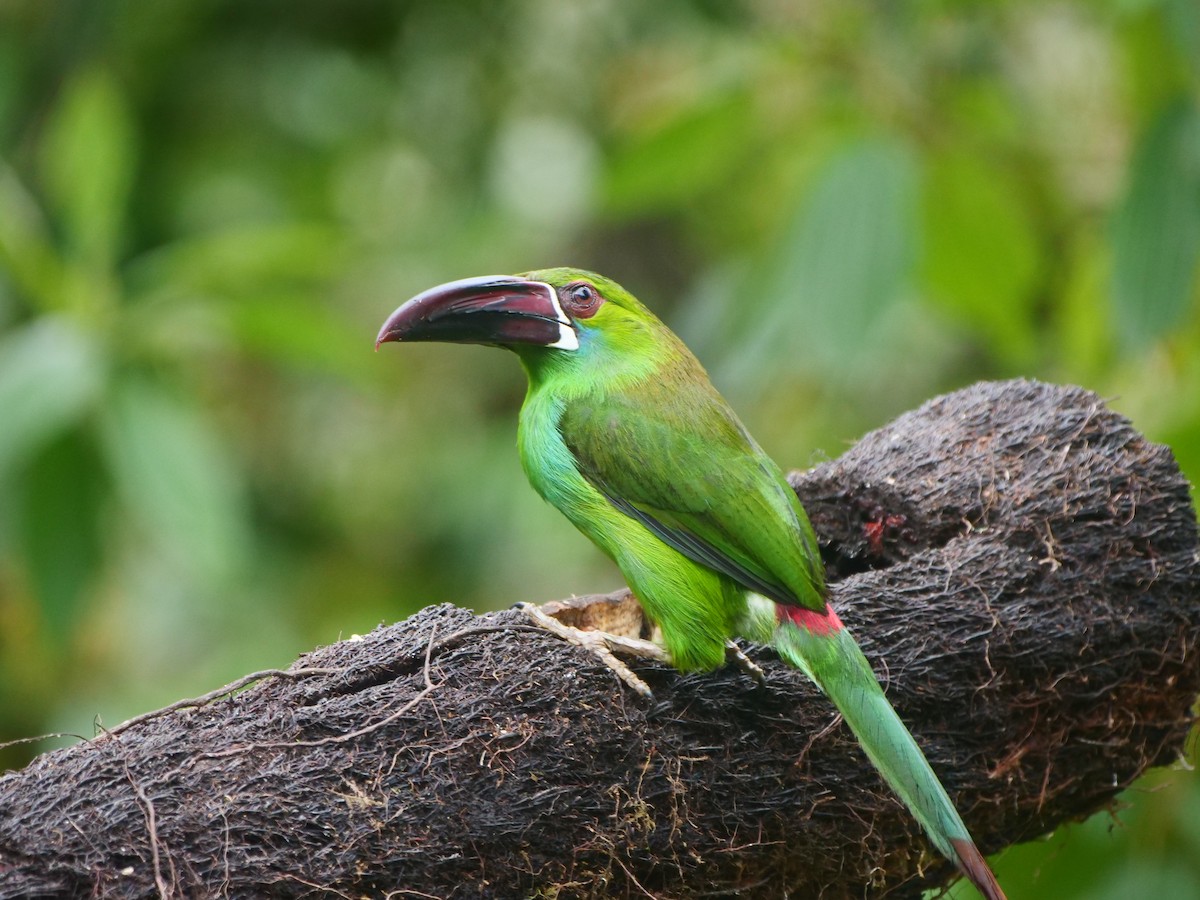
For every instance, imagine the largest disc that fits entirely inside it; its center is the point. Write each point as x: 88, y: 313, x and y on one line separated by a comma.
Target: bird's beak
x: 494, y: 309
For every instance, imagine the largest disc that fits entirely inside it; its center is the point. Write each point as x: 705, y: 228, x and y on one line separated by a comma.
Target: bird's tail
x: 823, y: 649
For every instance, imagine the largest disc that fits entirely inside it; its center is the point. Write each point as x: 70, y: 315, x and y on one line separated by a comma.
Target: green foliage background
x: 207, y: 207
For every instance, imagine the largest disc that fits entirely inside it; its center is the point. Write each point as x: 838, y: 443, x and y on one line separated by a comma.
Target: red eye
x: 581, y: 299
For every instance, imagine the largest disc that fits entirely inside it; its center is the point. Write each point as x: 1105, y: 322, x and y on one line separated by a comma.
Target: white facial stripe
x: 567, y: 338
x: 553, y: 295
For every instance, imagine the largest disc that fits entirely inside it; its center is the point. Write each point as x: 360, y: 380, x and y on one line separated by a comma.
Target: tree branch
x: 1019, y: 564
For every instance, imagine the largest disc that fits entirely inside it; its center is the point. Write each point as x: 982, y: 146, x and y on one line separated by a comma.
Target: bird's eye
x: 581, y: 299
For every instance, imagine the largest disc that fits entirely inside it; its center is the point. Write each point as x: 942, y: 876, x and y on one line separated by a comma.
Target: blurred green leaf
x: 291, y: 328
x: 1183, y: 23
x: 176, y: 477
x: 26, y: 251
x: 236, y: 262
x: 10, y: 82
x: 1158, y: 72
x: 1165, y: 879
x: 49, y: 375
x: 980, y: 256
x: 61, y: 497
x: 1082, y: 335
x: 87, y: 164
x: 1156, y: 232
x: 846, y: 258
x: 1187, y: 825
x: 853, y: 248
x: 682, y: 158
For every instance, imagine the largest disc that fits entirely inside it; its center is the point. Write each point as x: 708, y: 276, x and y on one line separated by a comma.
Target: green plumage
x: 622, y: 431
x: 629, y: 439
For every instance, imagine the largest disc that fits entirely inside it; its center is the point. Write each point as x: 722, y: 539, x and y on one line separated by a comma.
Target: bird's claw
x: 603, y: 645
x: 745, y: 663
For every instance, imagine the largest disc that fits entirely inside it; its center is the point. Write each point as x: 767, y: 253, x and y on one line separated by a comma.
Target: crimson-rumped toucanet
x: 623, y: 432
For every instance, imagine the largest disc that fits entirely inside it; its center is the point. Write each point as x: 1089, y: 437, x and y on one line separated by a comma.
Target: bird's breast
x: 547, y: 460
x: 551, y: 469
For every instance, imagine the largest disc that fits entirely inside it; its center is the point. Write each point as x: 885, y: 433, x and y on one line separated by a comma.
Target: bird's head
x: 550, y: 311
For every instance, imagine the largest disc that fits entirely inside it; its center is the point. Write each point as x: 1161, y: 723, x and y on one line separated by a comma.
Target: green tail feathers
x: 834, y: 661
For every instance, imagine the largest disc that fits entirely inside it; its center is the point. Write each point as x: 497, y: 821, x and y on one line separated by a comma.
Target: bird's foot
x: 605, y: 646
x: 745, y: 663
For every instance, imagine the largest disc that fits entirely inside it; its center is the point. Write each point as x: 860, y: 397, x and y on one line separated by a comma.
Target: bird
x: 623, y: 432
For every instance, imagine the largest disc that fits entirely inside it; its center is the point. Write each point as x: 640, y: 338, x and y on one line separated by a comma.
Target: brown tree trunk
x: 1019, y: 564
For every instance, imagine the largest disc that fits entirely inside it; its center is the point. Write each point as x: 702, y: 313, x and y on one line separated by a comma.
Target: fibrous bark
x: 1019, y: 564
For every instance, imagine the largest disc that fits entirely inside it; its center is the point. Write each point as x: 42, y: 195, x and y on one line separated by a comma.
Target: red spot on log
x: 877, y: 527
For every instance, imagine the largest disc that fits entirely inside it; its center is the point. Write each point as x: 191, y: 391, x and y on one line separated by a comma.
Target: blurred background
x: 207, y: 207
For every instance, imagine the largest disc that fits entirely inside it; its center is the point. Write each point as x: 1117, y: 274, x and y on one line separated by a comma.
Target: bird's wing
x: 683, y: 466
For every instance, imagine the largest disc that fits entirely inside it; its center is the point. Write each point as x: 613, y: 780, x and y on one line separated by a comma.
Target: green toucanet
x: 622, y: 431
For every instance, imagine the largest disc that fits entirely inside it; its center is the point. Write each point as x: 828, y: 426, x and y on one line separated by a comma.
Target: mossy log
x: 1019, y: 564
